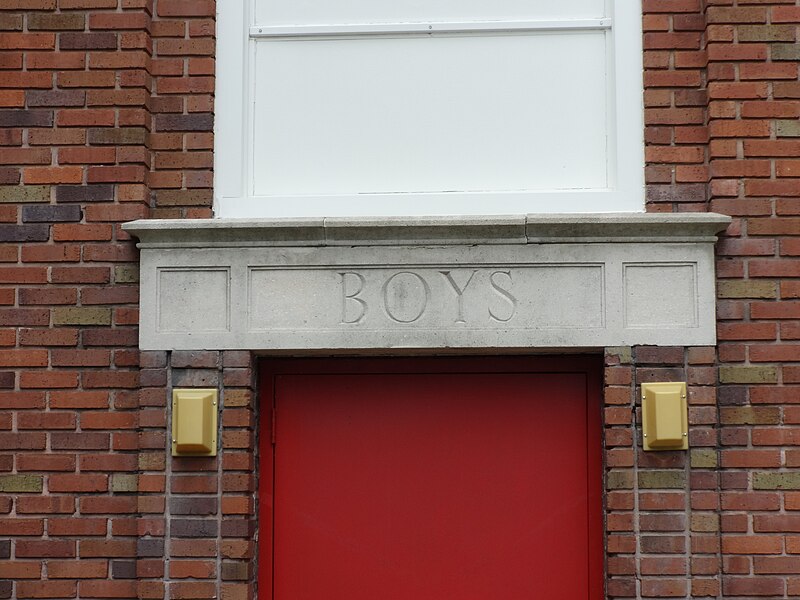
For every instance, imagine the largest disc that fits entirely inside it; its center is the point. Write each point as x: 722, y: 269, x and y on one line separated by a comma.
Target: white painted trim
x: 628, y: 92
x: 449, y: 203
x: 233, y: 193
x: 229, y: 115
x: 348, y: 29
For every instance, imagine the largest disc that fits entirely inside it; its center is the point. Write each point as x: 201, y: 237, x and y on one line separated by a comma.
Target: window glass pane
x: 430, y: 114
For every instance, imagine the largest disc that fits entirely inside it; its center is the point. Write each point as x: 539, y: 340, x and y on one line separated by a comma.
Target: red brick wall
x: 182, y: 105
x: 754, y: 105
x: 662, y: 507
x: 106, y: 115
x: 676, y: 105
x: 722, y: 133
x: 198, y: 515
x: 74, y: 112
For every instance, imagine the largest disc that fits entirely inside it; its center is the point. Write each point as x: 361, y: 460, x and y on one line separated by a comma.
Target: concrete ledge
x: 540, y: 229
x: 432, y: 284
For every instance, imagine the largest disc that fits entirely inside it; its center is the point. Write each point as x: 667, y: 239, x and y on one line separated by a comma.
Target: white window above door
x: 411, y: 107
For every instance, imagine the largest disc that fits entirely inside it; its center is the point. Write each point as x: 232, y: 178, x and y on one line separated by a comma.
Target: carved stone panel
x: 281, y: 293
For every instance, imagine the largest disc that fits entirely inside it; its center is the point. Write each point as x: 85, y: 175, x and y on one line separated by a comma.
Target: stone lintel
x: 466, y: 284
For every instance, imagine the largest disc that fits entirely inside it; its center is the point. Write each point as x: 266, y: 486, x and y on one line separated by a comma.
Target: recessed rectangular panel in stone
x: 660, y: 295
x: 450, y: 297
x: 565, y: 296
x: 193, y: 300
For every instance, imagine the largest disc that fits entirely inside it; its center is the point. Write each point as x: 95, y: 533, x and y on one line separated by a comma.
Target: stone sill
x: 405, y: 231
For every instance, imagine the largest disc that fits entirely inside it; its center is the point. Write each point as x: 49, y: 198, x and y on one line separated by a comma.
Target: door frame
x: 589, y: 365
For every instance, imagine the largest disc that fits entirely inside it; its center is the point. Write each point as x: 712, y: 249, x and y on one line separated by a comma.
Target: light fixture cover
x: 665, y: 423
x: 194, y: 422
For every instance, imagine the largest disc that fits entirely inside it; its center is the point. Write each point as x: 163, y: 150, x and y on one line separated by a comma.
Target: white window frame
x: 235, y: 77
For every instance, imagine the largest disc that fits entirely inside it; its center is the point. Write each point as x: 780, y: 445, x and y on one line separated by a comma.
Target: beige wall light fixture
x: 665, y: 423
x: 194, y: 422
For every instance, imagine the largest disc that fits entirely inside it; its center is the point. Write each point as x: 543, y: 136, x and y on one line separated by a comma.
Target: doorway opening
x: 431, y: 478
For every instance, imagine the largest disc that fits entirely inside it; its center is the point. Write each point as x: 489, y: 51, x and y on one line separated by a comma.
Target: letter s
x: 503, y: 293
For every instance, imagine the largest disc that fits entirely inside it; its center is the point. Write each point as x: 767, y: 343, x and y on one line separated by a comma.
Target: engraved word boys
x: 446, y: 295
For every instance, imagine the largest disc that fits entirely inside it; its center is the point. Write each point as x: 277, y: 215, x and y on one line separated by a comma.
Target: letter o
x: 418, y: 311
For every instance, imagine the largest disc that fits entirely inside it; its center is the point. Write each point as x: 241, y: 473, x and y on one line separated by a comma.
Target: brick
x: 45, y: 548
x: 39, y: 98
x: 747, y: 289
x: 45, y: 504
x: 122, y: 483
x: 10, y: 22
x: 78, y: 483
x: 48, y: 337
x: 752, y: 586
x: 775, y: 310
x: 785, y: 52
x: 186, y: 8
x: 21, y: 483
x: 198, y: 122
x: 77, y: 569
x: 45, y: 462
x: 183, y: 359
x: 108, y: 589
x: 83, y: 232
x: 24, y: 233
x: 25, y: 156
x: 729, y: 374
x: 80, y: 441
x: 81, y: 316
x: 775, y: 564
x: 46, y: 589
x: 55, y: 22
x: 51, y: 214
x: 20, y: 569
x: 118, y: 136
x: 662, y: 479
x: 87, y: 41
x: 776, y: 481
x: 26, y: 118
x: 776, y: 523
x: 193, y: 528
x: 23, y: 400
x: 774, y: 395
x: 119, y: 294
x: 786, y: 128
x: 750, y: 415
x: 766, y: 33
x: 25, y: 194
x: 737, y: 15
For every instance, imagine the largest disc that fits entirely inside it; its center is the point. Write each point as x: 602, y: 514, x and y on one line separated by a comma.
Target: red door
x: 430, y: 479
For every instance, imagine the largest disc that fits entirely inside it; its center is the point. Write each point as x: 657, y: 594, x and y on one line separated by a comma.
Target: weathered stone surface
x: 510, y: 282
